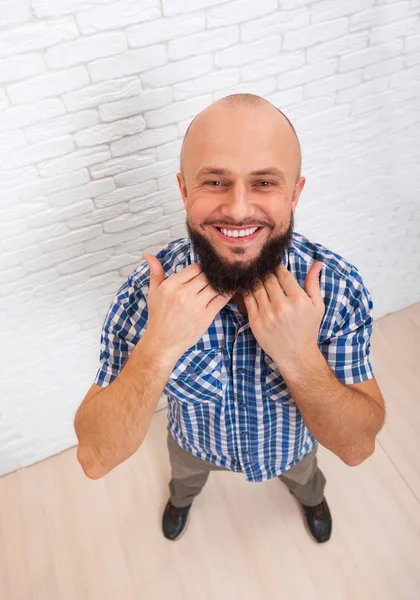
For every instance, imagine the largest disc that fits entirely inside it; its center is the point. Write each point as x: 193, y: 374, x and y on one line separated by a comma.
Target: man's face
x: 240, y: 193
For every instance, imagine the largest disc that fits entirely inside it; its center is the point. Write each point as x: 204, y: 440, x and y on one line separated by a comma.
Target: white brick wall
x: 95, y: 96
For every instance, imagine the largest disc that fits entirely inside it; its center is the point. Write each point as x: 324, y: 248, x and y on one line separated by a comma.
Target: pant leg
x: 305, y: 479
x: 189, y: 474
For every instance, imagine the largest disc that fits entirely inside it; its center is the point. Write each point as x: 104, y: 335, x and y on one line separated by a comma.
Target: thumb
x: 312, y: 284
x: 157, y: 274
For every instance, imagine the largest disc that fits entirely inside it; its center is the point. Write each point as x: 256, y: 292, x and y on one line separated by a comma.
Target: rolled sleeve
x: 347, y: 350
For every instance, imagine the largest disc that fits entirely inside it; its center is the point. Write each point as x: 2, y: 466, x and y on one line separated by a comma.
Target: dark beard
x: 230, y: 277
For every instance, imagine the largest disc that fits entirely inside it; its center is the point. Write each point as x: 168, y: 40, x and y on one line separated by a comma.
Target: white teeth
x: 239, y: 233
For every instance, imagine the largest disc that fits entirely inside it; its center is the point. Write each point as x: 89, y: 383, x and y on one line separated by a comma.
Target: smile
x: 238, y: 236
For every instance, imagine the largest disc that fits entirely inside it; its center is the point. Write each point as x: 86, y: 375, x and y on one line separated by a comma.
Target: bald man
x: 259, y: 338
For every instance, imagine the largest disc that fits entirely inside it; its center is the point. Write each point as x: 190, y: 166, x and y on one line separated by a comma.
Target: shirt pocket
x: 198, y: 376
x: 275, y: 386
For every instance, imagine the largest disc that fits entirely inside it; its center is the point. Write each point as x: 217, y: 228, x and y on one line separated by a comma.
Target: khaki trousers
x: 189, y: 474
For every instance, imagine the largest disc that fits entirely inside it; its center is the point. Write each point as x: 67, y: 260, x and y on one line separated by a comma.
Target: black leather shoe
x: 174, y: 520
x: 318, y: 521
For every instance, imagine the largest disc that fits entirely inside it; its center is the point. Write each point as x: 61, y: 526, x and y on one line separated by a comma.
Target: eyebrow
x: 226, y: 172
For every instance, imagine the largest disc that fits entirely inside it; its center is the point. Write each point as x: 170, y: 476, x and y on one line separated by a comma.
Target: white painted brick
x: 37, y: 35
x: 75, y: 194
x: 133, y: 61
x: 381, y: 34
x: 45, y: 86
x: 273, y: 66
x: 53, y: 258
x: 168, y: 182
x: 163, y: 222
x: 148, y: 139
x: 325, y: 11
x: 412, y: 59
x: 337, y: 47
x: 13, y: 12
x: 286, y: 97
x: 203, y: 85
x: 118, y: 14
x: 369, y: 56
x: 12, y: 141
x: 242, y: 54
x: 20, y: 67
x: 48, y: 217
x: 171, y: 150
x: 70, y: 238
x: 4, y: 102
x: 26, y: 115
x: 73, y: 161
x: 23, y: 176
x: 161, y: 30
x: 238, y: 11
x: 178, y: 71
x: 85, y: 49
x: 47, y: 186
x: 290, y: 4
x: 313, y: 34
x: 379, y: 14
x: 376, y: 86
x: 10, y: 275
x: 120, y: 165
x: 177, y: 7
x: 61, y: 125
x: 147, y: 100
x: 302, y: 110
x: 128, y: 220
x: 108, y: 132
x: 126, y: 194
x: 102, y: 92
x: 372, y: 103
x: 47, y: 8
x: 163, y: 198
x: 386, y: 67
x: 37, y: 152
x: 306, y: 74
x: 412, y: 44
x: 275, y: 23
x: 206, y: 41
x: 405, y: 77
x: 260, y: 87
x: 177, y: 111
x: 332, y: 84
x: 144, y: 173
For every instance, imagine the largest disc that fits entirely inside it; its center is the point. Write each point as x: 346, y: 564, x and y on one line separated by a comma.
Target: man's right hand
x: 181, y: 307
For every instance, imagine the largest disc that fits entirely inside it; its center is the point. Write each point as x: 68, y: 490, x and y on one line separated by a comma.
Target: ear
x: 297, y: 191
x: 182, y: 188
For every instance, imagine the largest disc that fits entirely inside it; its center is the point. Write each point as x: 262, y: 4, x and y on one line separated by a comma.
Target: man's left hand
x: 284, y: 318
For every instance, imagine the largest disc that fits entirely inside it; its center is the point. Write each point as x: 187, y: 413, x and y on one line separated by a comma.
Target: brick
x: 37, y: 36
x: 75, y: 194
x: 178, y: 71
x: 126, y: 194
x: 70, y: 238
x: 170, y: 150
x: 85, y: 49
x: 313, y: 34
x: 100, y: 93
x: 286, y: 97
x: 301, y: 110
x: 404, y: 77
x: 376, y: 86
x: 177, y: 111
x: 48, y: 8
x: 332, y: 84
x: 412, y: 59
x: 144, y: 173
x: 203, y: 85
x: 384, y: 68
x: 20, y: 67
x: 128, y: 221
x: 273, y: 66
x: 162, y: 30
x: 289, y: 4
x: 379, y: 15
x: 133, y: 61
x: 21, y: 116
x: 53, y: 258
x: 372, y: 103
x: 238, y: 11
x: 278, y: 23
x: 22, y: 176
x: 306, y: 74
x: 369, y: 56
x: 45, y: 86
x: 60, y: 125
x: 160, y: 197
x: 148, y: 139
x: 54, y: 184
x: 108, y: 132
x: 13, y: 12
x: 118, y: 14
x: 12, y: 141
x: 260, y: 87
x: 178, y: 7
x: 120, y: 165
x: 381, y: 34
x: 412, y: 44
x: 4, y: 102
x: 148, y: 99
x: 325, y: 11
x: 207, y: 41
x: 73, y: 161
x: 37, y: 152
x: 338, y: 47
x: 242, y: 54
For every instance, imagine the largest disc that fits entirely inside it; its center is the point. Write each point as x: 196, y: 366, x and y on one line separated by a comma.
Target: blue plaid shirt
x: 227, y: 401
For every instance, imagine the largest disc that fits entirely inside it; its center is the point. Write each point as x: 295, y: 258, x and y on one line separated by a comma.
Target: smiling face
x: 240, y: 184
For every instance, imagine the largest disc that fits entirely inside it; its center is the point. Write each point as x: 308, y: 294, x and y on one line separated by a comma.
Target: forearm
x: 114, y: 423
x: 343, y: 420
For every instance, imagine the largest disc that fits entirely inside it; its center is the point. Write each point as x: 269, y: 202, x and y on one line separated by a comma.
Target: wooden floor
x: 66, y: 537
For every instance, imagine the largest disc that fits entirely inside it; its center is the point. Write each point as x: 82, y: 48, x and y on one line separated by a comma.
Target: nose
x: 238, y: 205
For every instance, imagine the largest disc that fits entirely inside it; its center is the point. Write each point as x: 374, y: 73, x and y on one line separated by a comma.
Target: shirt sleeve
x: 347, y: 350
x: 123, y: 326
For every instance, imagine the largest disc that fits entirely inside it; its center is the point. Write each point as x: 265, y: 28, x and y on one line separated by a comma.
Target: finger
x: 262, y: 298
x: 251, y: 305
x: 157, y: 274
x: 288, y: 282
x: 216, y: 304
x: 274, y: 290
x: 186, y: 274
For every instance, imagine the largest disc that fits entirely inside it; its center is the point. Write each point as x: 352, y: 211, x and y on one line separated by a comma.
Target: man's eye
x: 211, y: 182
x: 269, y: 183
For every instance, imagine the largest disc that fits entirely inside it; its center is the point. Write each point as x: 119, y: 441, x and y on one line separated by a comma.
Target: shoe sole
x: 182, y: 532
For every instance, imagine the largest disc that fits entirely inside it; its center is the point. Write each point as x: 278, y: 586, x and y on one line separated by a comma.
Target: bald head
x: 252, y: 107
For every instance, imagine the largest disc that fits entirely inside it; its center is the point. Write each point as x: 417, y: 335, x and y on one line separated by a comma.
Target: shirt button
x: 240, y: 371
x: 244, y: 433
